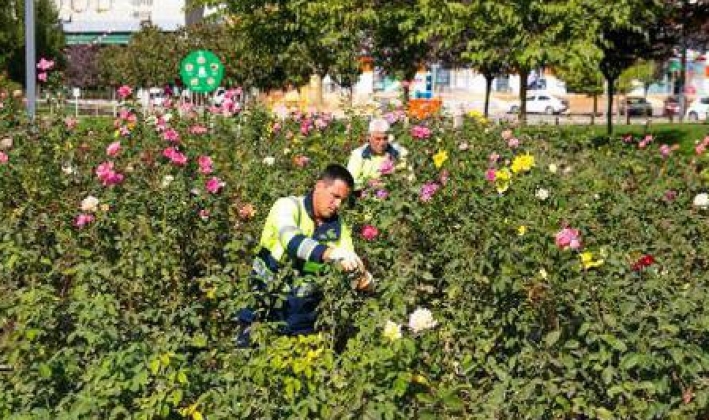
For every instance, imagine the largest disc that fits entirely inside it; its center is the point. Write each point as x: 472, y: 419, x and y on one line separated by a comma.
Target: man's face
x: 378, y: 142
x: 328, y: 197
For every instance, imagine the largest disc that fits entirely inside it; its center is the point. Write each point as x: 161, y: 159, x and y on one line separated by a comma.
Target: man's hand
x: 348, y: 259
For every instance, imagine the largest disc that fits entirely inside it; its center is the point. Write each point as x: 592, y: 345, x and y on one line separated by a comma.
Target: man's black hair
x: 334, y: 172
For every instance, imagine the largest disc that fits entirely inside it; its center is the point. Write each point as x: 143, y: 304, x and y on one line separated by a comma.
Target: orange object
x: 424, y: 108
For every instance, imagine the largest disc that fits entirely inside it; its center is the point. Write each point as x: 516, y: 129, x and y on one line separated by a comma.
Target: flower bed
x: 517, y: 276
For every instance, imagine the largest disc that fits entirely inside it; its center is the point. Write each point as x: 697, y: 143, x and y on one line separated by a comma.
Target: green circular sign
x: 201, y: 71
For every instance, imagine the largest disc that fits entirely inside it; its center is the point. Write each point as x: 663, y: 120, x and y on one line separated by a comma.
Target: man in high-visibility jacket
x: 367, y: 162
x: 309, y: 232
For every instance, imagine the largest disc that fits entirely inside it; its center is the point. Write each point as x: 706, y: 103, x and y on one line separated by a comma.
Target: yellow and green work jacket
x: 364, y: 165
x: 290, y: 232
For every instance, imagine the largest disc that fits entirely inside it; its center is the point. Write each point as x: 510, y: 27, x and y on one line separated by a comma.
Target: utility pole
x: 683, y: 60
x: 30, y: 60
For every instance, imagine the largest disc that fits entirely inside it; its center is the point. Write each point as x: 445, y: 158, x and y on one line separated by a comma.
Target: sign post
x: 76, y: 93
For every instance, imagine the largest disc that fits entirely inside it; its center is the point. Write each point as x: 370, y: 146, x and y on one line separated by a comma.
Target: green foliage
x: 644, y: 72
x: 131, y: 315
x: 49, y: 38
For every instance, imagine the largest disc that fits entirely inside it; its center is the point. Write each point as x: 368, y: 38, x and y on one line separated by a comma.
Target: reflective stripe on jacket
x: 290, y: 232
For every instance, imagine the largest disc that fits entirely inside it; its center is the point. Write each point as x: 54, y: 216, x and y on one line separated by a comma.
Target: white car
x: 542, y: 103
x: 699, y: 109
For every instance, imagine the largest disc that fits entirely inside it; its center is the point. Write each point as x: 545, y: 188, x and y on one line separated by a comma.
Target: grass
x: 686, y: 135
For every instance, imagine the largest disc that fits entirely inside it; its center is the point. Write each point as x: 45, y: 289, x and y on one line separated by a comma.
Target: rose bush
x: 517, y: 286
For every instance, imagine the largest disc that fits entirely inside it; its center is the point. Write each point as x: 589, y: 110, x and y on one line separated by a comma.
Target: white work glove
x: 364, y: 282
x: 347, y: 259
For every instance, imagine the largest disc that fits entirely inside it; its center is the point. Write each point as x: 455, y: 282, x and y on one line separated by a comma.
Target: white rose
x: 269, y: 160
x: 392, y: 331
x: 542, y: 194
x: 6, y: 143
x: 421, y: 319
x: 89, y: 204
x: 701, y: 200
x: 68, y: 169
x: 166, y: 181
x: 553, y: 168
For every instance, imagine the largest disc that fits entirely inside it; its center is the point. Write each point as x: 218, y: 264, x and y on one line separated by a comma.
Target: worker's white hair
x: 378, y: 125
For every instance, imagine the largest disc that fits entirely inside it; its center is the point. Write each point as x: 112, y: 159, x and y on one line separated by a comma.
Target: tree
x: 396, y: 47
x: 583, y: 76
x: 450, y: 27
x: 624, y: 36
x: 683, y: 25
x: 517, y: 36
x: 49, y: 38
x: 643, y: 71
x: 82, y: 69
x: 113, y: 64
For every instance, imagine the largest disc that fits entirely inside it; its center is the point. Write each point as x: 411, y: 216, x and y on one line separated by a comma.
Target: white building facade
x: 112, y: 21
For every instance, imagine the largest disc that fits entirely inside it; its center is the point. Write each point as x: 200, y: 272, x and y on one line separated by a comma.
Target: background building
x: 113, y: 21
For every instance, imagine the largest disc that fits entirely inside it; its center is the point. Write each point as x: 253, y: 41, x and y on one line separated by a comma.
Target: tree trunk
x: 405, y: 100
x: 609, y: 108
x: 595, y: 109
x: 488, y: 87
x: 683, y: 78
x: 523, y: 95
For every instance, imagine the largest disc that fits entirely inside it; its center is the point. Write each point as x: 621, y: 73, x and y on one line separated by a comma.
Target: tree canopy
x: 49, y: 38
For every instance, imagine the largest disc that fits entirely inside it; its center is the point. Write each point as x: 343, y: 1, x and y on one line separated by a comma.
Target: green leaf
x: 552, y: 338
x: 604, y: 414
x: 154, y: 366
x: 629, y: 361
x: 181, y: 377
x: 44, y: 370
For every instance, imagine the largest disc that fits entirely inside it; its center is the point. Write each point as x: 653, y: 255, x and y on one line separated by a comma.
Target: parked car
x: 635, y: 106
x: 698, y: 109
x: 670, y: 106
x: 542, y: 104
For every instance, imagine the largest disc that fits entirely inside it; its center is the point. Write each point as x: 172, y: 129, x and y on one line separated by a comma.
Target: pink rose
x: 214, y: 185
x: 382, y: 194
x: 198, y: 129
x: 124, y: 91
x: 420, y: 132
x: 205, y: 164
x: 444, y: 176
x: 513, y: 143
x: 428, y: 190
x: 45, y: 65
x: 490, y: 174
x: 83, y: 219
x: 70, y: 123
x: 387, y: 167
x: 4, y: 158
x: 42, y: 77
x: 171, y: 135
x: 568, y: 238
x: 370, y: 232
x: 113, y: 149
